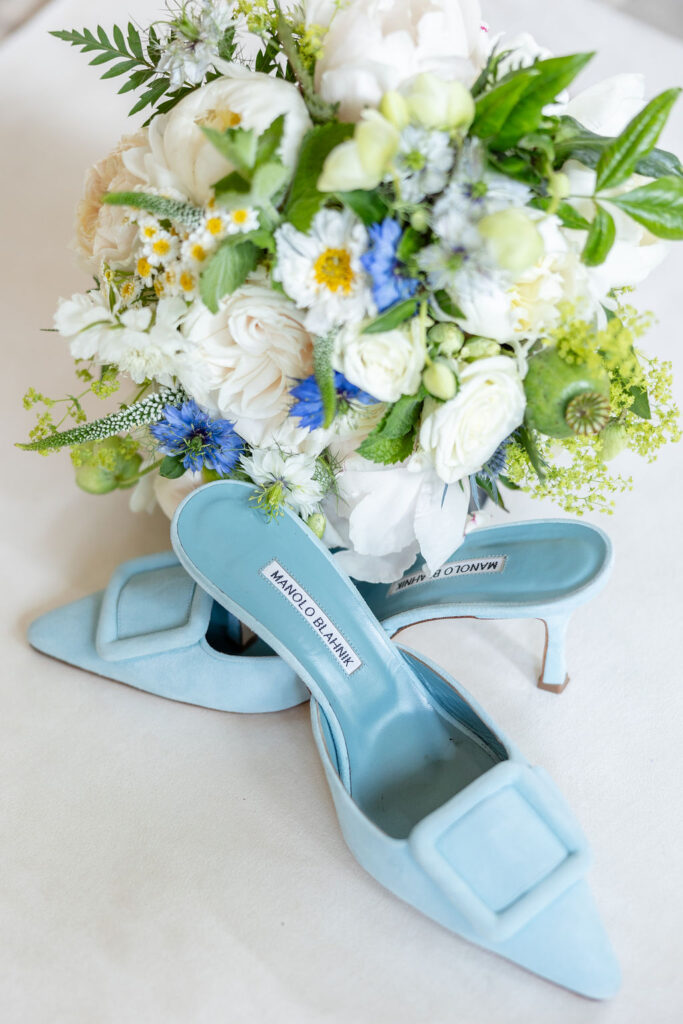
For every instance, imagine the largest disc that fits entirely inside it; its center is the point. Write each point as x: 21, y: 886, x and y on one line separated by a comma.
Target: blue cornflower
x: 308, y: 408
x: 197, y: 440
x: 389, y: 285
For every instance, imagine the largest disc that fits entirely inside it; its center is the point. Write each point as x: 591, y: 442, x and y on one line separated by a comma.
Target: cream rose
x: 247, y: 356
x: 460, y: 435
x: 372, y: 46
x: 386, y: 365
x: 105, y: 233
x: 180, y: 156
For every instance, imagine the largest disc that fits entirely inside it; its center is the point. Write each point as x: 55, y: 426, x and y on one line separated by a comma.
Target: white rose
x: 246, y: 358
x: 106, y: 233
x: 383, y: 516
x: 386, y: 365
x: 460, y: 435
x: 182, y: 158
x: 372, y: 46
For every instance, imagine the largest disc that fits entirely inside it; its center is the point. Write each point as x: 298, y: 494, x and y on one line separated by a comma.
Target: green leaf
x: 528, y: 442
x: 573, y: 140
x: 552, y: 77
x: 491, y: 491
x: 660, y: 164
x: 600, y: 239
x: 368, y: 206
x: 641, y: 403
x: 233, y: 182
x: 324, y: 374
x: 493, y: 108
x: 387, y: 450
x: 402, y: 417
x: 237, y: 145
x: 269, y: 141
x: 392, y: 317
x: 149, y: 98
x: 134, y: 44
x: 620, y: 157
x: 172, y: 467
x: 171, y: 209
x: 268, y: 180
x: 658, y: 206
x: 226, y: 270
x: 411, y: 242
x: 304, y: 200
x: 447, y: 305
x: 120, y: 69
x: 570, y: 217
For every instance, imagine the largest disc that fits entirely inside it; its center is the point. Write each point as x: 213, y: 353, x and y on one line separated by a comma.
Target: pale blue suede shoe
x: 155, y: 629
x: 540, y: 569
x: 432, y: 798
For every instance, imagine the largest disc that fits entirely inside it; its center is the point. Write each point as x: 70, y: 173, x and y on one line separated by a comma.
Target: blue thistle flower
x: 308, y: 408
x: 198, y: 440
x: 389, y: 285
x: 490, y: 472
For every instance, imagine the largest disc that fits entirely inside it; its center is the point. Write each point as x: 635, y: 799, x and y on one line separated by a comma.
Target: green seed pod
x: 613, y: 440
x: 95, y: 479
x: 317, y: 522
x: 440, y: 381
x: 587, y: 413
x: 104, y: 466
x: 551, y: 384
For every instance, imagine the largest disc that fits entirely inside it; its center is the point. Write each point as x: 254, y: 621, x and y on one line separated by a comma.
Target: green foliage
x: 304, y: 200
x: 393, y: 439
x: 324, y: 375
x: 573, y: 141
x: 658, y: 206
x: 169, y: 209
x: 368, y: 206
x: 128, y: 55
x: 127, y: 418
x: 392, y: 317
x: 570, y: 217
x: 620, y: 157
x: 601, y: 236
x: 226, y: 270
x: 171, y: 467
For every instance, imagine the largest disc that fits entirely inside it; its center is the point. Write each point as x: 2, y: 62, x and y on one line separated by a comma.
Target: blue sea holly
x: 197, y: 440
x: 389, y: 283
x: 308, y: 407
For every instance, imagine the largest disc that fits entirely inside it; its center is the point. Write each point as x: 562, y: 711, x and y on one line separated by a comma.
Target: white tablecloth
x: 162, y: 863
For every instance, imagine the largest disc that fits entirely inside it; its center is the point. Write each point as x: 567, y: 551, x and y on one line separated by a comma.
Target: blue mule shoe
x: 155, y: 629
x: 541, y: 569
x: 433, y: 800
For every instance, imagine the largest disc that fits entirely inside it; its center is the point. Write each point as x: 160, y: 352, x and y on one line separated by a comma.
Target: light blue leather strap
x: 151, y: 605
x: 503, y: 849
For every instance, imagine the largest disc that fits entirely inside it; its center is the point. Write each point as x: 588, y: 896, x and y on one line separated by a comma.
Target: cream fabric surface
x: 163, y: 863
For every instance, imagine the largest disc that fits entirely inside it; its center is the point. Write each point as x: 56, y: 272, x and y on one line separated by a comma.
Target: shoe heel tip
x: 553, y: 687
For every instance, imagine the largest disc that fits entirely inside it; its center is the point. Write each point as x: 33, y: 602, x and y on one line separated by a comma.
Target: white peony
x: 180, y: 157
x: 383, y: 516
x: 373, y: 46
x: 246, y: 357
x: 386, y: 365
x: 462, y: 434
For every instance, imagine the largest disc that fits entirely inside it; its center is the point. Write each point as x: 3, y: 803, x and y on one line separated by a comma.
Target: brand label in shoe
x: 465, y: 567
x: 315, y: 616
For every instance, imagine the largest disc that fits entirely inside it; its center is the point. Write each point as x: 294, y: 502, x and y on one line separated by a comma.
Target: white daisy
x: 242, y: 220
x: 423, y: 162
x: 195, y: 250
x: 322, y: 272
x: 284, y: 479
x: 161, y: 249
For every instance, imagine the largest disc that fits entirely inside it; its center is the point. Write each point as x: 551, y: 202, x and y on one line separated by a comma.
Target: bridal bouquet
x: 372, y: 259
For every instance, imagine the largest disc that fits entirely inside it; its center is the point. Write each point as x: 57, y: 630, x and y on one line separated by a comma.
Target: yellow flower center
x: 149, y: 231
x: 127, y: 290
x: 159, y: 286
x: 170, y: 276
x: 221, y: 119
x: 197, y: 252
x: 333, y: 270
x: 144, y: 267
x: 161, y: 247
x: 239, y: 216
x: 214, y: 225
x: 186, y: 281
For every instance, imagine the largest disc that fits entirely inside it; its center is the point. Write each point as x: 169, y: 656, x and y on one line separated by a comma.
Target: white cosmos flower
x: 292, y: 477
x: 461, y: 434
x: 82, y: 320
x: 372, y: 46
x: 386, y: 364
x: 321, y: 271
